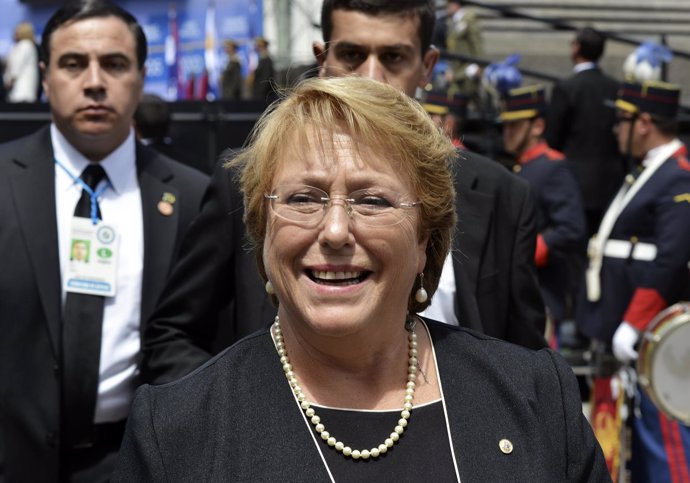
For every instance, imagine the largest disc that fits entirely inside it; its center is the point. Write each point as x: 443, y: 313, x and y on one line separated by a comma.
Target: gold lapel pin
x: 165, y: 205
x: 506, y: 446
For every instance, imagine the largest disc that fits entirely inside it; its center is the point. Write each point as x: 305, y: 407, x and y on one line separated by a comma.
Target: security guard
x: 560, y: 216
x: 638, y: 261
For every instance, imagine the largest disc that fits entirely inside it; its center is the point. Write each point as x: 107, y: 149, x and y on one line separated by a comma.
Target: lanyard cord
x: 93, y: 195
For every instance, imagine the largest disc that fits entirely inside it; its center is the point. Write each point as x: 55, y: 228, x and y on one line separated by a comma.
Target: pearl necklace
x: 316, y: 421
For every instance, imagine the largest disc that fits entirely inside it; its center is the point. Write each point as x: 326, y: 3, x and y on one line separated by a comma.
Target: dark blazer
x: 235, y: 419
x: 30, y: 301
x: 580, y: 125
x: 215, y: 295
x: 493, y: 253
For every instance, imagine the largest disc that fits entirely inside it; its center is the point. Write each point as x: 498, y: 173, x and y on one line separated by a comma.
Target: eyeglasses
x: 307, y: 205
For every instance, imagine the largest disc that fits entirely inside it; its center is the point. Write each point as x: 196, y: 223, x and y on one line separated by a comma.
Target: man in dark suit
x: 580, y: 126
x: 492, y: 286
x: 69, y: 350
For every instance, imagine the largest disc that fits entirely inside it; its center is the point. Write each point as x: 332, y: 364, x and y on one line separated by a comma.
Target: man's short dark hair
x: 77, y: 10
x: 591, y: 43
x: 424, y: 9
x: 666, y: 126
x: 152, y: 117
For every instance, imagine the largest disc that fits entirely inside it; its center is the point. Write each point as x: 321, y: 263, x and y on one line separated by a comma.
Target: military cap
x: 523, y: 103
x: 654, y: 97
x: 442, y: 102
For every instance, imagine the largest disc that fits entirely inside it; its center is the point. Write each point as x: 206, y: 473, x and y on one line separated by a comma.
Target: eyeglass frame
x: 326, y: 202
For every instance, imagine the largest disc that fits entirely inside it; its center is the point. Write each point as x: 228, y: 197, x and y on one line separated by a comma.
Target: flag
x: 172, y: 42
x: 211, y: 53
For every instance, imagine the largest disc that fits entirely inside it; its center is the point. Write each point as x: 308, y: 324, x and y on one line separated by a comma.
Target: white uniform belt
x: 622, y: 249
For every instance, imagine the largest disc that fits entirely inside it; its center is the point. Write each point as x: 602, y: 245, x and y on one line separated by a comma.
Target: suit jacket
x: 215, y: 295
x: 493, y: 253
x: 30, y: 288
x: 580, y: 125
x: 235, y: 419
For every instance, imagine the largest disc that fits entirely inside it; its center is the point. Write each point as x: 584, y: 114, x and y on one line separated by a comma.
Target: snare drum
x: 663, y: 365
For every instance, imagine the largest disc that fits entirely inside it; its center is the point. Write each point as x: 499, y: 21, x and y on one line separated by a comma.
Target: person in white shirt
x: 21, y: 71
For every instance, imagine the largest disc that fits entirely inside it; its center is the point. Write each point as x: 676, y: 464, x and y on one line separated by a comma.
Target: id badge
x: 92, y: 258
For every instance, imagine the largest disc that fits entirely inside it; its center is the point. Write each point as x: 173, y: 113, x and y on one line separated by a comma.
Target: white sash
x: 595, y: 249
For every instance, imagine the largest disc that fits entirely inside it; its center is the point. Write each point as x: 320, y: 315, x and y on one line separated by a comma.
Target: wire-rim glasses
x: 307, y: 205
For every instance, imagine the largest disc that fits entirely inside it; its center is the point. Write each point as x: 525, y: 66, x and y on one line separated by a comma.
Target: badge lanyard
x: 92, y: 194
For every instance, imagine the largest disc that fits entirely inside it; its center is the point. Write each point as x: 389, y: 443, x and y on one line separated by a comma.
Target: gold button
x: 506, y: 446
x: 634, y: 239
x: 629, y: 178
x: 517, y: 168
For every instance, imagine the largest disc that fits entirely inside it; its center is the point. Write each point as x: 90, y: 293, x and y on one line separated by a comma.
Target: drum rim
x: 666, y: 322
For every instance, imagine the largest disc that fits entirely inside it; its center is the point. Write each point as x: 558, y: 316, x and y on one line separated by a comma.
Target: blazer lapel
x: 33, y: 190
x: 474, y: 217
x: 161, y: 219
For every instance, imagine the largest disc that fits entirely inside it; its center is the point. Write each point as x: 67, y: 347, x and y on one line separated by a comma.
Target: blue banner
x: 185, y: 39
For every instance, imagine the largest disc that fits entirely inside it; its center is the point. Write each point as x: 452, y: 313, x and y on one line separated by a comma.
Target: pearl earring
x: 420, y: 295
x: 269, y: 288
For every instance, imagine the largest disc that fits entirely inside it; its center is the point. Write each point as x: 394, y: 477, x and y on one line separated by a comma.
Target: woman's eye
x: 374, y: 202
x: 302, y: 198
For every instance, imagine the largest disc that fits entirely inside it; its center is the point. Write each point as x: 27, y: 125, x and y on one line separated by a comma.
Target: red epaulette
x: 554, y: 155
x: 683, y: 163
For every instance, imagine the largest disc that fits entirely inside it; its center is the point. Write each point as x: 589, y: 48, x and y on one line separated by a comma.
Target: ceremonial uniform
x: 638, y: 265
x: 560, y: 221
x: 561, y: 225
x: 645, y: 258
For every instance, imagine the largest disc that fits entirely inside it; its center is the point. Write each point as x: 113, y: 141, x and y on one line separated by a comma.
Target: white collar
x: 653, y: 152
x: 583, y: 66
x: 120, y: 165
x: 457, y: 16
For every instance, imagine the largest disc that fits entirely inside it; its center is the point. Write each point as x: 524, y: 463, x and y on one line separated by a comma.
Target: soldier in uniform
x: 638, y: 261
x: 561, y: 223
x: 448, y: 111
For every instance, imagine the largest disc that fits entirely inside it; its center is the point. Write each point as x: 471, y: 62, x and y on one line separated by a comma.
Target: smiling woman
x: 350, y: 207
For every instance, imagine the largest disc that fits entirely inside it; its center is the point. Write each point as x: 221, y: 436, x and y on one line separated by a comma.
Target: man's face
x: 629, y: 130
x: 79, y: 251
x: 93, y: 83
x: 386, y: 48
x: 515, y: 135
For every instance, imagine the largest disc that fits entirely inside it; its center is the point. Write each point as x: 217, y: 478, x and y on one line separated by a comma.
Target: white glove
x: 623, y: 342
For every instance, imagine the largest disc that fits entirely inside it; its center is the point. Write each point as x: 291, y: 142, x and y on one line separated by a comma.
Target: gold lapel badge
x: 506, y: 446
x: 165, y: 205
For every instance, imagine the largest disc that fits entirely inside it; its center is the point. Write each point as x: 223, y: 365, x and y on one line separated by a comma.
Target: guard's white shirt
x: 120, y: 206
x: 442, y: 307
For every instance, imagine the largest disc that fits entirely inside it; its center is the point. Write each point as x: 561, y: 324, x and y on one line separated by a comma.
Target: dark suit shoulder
x: 490, y: 175
x: 168, y: 168
x: 229, y: 364
x: 16, y: 147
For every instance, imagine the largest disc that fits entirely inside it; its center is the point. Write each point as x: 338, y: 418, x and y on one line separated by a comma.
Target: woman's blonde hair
x: 388, y: 122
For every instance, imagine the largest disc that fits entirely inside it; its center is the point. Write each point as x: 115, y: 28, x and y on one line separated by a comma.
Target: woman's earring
x: 269, y: 288
x: 420, y: 295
